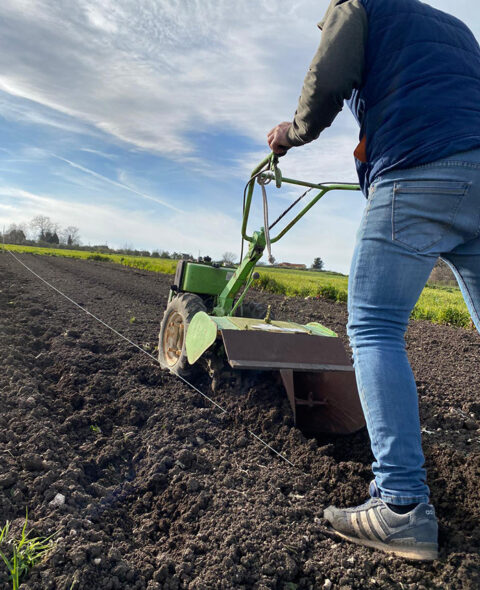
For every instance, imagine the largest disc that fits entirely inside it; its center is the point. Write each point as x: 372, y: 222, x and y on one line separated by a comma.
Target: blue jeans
x: 412, y: 218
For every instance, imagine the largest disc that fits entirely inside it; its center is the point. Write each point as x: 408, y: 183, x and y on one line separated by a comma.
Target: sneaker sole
x: 427, y: 553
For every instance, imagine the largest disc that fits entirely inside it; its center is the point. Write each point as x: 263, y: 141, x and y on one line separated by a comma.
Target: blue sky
x: 139, y: 121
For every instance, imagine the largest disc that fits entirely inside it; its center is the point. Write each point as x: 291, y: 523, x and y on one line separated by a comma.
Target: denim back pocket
x: 425, y: 210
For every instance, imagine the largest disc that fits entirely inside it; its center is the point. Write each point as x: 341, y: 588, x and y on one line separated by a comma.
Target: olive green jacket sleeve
x: 336, y: 70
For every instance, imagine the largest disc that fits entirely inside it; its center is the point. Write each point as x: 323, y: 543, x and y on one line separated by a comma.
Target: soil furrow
x: 162, y: 491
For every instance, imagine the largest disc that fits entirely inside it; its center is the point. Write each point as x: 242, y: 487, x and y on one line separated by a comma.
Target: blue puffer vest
x: 420, y: 100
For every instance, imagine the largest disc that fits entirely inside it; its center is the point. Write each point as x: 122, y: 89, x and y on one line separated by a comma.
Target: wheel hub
x: 173, y: 338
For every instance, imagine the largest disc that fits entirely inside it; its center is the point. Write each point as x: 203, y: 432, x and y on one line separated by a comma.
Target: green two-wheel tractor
x: 207, y: 323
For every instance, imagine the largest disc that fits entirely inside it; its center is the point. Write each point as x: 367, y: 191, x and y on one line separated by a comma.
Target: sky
x: 139, y: 122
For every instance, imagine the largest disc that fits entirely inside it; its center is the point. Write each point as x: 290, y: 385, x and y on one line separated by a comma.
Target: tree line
x: 41, y: 231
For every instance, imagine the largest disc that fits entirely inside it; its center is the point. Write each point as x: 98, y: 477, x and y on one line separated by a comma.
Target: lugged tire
x: 252, y: 309
x: 173, y: 328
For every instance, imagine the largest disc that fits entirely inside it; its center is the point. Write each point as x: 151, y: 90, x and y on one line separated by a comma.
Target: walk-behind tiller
x: 207, y: 322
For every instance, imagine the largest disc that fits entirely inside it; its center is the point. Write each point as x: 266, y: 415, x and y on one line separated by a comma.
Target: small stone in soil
x: 59, y: 500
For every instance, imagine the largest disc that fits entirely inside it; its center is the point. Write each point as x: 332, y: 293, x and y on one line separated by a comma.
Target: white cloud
x: 117, y: 184
x: 8, y: 207
x: 151, y: 72
x: 31, y: 112
x: 99, y: 153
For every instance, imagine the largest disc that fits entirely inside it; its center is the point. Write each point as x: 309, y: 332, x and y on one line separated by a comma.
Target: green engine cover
x: 204, y: 279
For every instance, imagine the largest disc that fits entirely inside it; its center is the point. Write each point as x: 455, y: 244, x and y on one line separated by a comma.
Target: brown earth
x: 163, y: 490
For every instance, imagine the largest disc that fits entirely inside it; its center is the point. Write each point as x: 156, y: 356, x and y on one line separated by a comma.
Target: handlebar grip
x: 286, y: 148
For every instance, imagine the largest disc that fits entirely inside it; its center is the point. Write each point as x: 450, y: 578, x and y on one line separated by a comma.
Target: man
x: 411, y: 75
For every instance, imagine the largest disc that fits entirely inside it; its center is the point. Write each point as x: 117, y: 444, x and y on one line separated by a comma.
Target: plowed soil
x: 163, y: 490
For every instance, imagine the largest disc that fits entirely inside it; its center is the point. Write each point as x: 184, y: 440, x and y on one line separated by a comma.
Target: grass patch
x: 442, y: 305
x: 301, y: 283
x: 269, y: 284
x: 21, y: 555
x: 439, y: 304
x: 99, y: 257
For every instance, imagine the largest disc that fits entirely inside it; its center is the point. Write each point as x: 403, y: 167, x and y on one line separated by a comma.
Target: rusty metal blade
x: 253, y: 349
x: 325, y: 402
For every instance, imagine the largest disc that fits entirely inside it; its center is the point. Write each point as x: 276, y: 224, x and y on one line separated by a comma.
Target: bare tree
x: 442, y: 273
x: 15, y: 234
x: 70, y: 236
x: 43, y: 225
x: 228, y: 258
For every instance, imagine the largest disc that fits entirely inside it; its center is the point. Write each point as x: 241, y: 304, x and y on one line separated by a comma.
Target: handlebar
x: 268, y: 170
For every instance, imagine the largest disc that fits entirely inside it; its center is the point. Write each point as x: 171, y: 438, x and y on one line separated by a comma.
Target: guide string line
x: 117, y: 333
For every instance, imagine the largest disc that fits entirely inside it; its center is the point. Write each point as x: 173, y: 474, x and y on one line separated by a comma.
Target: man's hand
x: 277, y: 138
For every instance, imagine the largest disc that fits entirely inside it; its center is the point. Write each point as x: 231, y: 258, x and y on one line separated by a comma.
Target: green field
x: 438, y: 304
x: 156, y: 264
